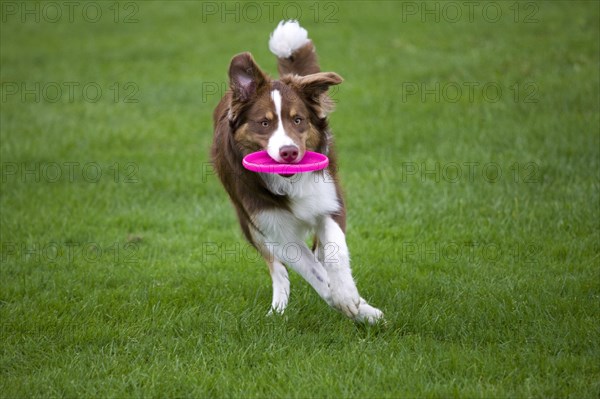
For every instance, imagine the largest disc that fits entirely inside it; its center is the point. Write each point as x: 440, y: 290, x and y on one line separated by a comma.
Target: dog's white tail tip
x: 288, y: 37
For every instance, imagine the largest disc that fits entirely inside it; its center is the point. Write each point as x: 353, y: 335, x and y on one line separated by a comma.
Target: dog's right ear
x: 245, y: 77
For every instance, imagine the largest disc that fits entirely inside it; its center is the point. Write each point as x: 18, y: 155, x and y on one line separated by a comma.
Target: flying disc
x: 261, y: 162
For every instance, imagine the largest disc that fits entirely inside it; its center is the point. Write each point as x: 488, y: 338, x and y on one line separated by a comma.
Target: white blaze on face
x: 279, y: 138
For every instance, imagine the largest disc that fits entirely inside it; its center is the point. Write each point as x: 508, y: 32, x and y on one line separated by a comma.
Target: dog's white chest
x: 311, y: 195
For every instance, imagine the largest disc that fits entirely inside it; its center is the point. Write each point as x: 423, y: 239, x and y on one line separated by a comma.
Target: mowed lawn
x: 469, y: 149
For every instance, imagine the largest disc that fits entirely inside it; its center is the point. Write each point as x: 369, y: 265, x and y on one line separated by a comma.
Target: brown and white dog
x: 287, y: 117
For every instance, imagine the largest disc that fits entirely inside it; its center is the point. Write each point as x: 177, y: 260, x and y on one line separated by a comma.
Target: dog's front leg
x: 299, y: 258
x: 281, y: 286
x: 333, y: 253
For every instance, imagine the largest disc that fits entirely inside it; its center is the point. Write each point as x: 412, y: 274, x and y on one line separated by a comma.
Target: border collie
x: 277, y: 213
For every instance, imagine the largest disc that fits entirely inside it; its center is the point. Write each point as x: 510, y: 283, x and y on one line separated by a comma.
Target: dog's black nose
x: 288, y: 153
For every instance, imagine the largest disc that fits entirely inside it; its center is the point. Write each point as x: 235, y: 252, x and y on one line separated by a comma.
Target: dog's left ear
x: 245, y: 77
x: 315, y: 86
x: 245, y: 80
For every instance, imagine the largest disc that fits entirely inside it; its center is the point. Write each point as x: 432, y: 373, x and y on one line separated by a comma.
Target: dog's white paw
x: 368, y: 314
x: 276, y: 311
x: 344, y: 297
x: 278, y: 306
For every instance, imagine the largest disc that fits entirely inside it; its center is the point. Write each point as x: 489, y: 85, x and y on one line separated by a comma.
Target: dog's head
x: 286, y: 117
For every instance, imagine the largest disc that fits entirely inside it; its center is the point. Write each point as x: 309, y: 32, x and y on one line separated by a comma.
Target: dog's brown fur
x: 288, y: 117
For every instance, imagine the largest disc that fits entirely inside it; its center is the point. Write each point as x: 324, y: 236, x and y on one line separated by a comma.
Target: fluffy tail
x: 294, y: 50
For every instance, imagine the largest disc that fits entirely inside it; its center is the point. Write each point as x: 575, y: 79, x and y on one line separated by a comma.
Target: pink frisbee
x: 261, y: 162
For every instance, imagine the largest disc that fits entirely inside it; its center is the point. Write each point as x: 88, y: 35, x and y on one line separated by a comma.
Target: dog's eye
x: 265, y: 123
x: 297, y: 120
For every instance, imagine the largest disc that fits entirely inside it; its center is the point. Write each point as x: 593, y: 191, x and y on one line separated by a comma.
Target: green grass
x: 490, y: 284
